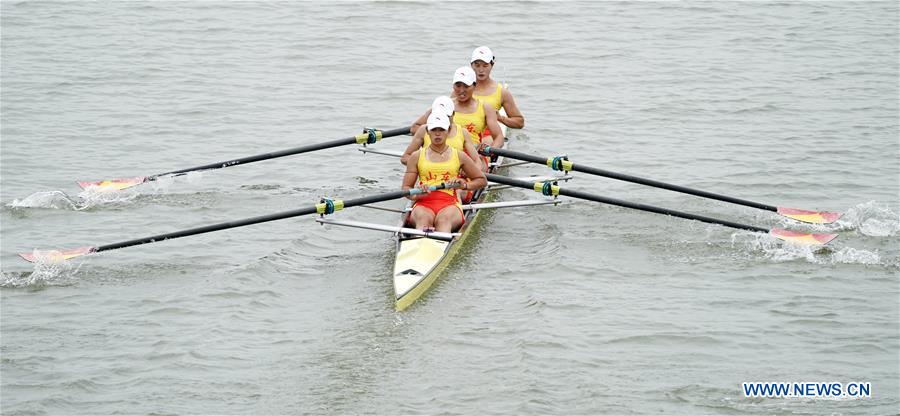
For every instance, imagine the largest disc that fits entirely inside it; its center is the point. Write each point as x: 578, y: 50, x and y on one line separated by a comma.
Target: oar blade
x: 802, y: 238
x: 812, y: 217
x: 112, y: 185
x: 56, y: 256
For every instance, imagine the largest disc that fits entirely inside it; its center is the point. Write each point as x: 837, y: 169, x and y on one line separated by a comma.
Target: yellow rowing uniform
x: 457, y: 141
x: 436, y: 173
x: 494, y: 99
x: 473, y: 122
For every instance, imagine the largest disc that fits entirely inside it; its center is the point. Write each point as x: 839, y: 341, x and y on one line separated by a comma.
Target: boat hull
x: 421, y: 255
x: 421, y: 260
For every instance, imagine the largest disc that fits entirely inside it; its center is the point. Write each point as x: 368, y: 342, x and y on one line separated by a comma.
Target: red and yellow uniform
x: 474, y: 123
x: 434, y: 174
x: 494, y: 99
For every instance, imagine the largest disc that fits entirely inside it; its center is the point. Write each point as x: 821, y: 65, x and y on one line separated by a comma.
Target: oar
x: 563, y: 164
x: 548, y: 188
x: 369, y: 136
x: 326, y: 206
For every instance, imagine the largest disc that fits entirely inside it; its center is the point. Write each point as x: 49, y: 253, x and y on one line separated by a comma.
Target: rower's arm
x: 513, y: 118
x: 417, y: 142
x: 410, y: 177
x: 419, y: 122
x: 471, y: 150
x: 474, y: 176
x: 490, y: 117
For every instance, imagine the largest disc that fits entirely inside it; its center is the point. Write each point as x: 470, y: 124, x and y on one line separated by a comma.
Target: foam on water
x: 47, y: 199
x: 873, y: 219
x: 780, y: 251
x: 85, y: 200
x: 90, y: 199
x: 47, y: 272
x: 162, y: 184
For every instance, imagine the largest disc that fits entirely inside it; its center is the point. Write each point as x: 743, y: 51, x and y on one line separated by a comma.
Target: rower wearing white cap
x: 457, y: 137
x: 438, y: 164
x: 472, y: 114
x: 491, y: 92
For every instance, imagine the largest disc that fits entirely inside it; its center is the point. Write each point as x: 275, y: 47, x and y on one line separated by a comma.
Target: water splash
x: 92, y: 198
x: 781, y: 252
x: 161, y: 184
x: 191, y: 177
x: 46, y: 199
x: 872, y: 219
x: 48, y: 271
x: 849, y: 255
x: 85, y: 200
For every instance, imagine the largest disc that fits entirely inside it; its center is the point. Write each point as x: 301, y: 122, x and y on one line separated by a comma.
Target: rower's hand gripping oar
x: 551, y: 189
x: 368, y: 136
x: 563, y: 164
x: 324, y: 207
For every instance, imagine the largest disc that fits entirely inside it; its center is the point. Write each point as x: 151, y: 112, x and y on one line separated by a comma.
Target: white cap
x: 444, y: 105
x: 482, y: 53
x: 438, y: 120
x: 464, y: 74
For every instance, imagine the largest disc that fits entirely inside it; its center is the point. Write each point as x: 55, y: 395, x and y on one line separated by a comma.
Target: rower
x: 457, y: 138
x: 472, y: 114
x: 438, y: 164
x: 491, y: 92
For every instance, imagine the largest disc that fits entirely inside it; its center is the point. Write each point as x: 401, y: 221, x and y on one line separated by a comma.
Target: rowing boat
x: 422, y: 256
x: 420, y: 260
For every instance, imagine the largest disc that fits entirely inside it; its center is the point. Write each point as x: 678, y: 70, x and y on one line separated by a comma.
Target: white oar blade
x: 56, y: 256
x: 802, y: 238
x: 813, y: 217
x: 112, y: 185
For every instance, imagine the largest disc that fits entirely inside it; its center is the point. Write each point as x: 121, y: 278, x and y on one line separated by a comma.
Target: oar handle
x: 369, y: 136
x: 556, y: 190
x: 433, y: 188
x: 564, y: 164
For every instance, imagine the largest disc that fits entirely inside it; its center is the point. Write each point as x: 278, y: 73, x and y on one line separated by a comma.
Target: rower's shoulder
x: 463, y: 156
x: 491, y: 88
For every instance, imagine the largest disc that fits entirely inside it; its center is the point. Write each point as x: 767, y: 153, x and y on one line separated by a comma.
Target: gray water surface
x: 577, y: 309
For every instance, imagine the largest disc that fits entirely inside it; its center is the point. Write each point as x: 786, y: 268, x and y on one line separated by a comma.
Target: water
x: 581, y: 308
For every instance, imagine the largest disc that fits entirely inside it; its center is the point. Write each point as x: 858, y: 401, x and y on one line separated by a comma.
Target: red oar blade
x: 814, y: 217
x: 802, y: 238
x: 56, y: 256
x: 112, y: 185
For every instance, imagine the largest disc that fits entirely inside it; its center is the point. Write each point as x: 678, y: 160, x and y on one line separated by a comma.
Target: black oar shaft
x: 249, y: 221
x: 636, y: 179
x: 280, y: 153
x: 611, y: 201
